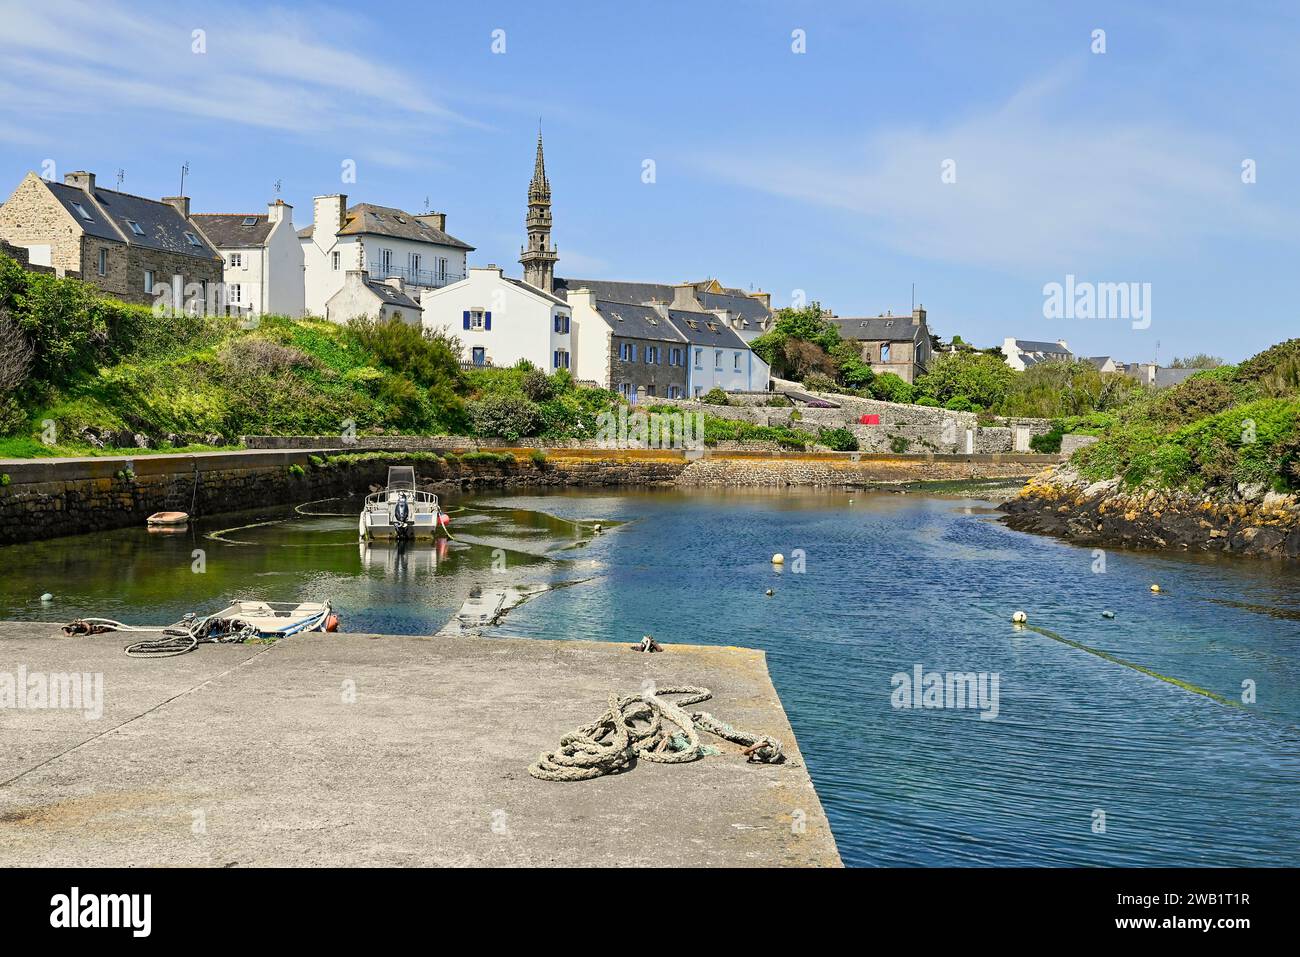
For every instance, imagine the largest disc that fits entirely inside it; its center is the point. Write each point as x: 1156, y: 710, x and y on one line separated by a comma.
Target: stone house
x: 627, y: 347
x: 262, y: 259
x: 889, y: 343
x: 130, y: 247
x: 1022, y: 354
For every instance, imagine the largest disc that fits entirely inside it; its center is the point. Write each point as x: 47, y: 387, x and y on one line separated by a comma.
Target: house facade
x: 500, y: 320
x: 889, y: 343
x: 130, y: 247
x: 1022, y: 354
x: 384, y: 242
x: 363, y: 296
x: 629, y: 348
x: 716, y: 356
x: 262, y: 258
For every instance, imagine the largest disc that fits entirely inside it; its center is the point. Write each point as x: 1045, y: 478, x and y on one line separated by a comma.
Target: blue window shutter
x: 487, y: 321
x: 466, y: 318
x: 555, y: 358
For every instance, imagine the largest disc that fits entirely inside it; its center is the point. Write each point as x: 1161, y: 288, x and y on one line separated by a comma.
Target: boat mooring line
x: 96, y: 737
x: 217, y: 536
x: 1142, y: 669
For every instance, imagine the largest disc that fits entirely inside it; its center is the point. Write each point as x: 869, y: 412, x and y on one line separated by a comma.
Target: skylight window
x: 135, y: 227
x: 193, y: 240
x: 81, y: 211
x: 250, y: 220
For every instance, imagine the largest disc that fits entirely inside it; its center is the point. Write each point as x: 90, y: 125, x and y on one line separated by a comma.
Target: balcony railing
x: 429, y: 278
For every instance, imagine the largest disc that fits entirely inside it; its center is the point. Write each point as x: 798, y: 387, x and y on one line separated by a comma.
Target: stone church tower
x: 539, y: 256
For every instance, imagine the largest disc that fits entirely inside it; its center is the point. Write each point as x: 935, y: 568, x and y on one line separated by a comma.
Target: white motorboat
x: 401, y: 510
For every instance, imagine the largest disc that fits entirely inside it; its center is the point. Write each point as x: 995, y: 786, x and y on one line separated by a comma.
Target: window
x: 386, y: 260
x: 415, y: 267
x: 81, y: 211
x: 148, y: 280
x: 236, y: 260
x: 675, y: 357
x: 674, y: 392
x: 884, y: 352
x: 699, y: 358
x: 651, y: 355
x: 737, y: 362
x: 561, y: 359
x: 135, y: 227
x: 250, y: 220
x: 699, y: 390
x: 442, y: 269
x: 235, y: 295
x: 625, y: 389
x: 478, y: 320
x: 193, y: 240
x: 717, y: 359
x: 561, y: 323
x: 335, y: 258
x: 479, y: 355
x: 649, y: 390
x: 627, y: 352
x: 103, y: 262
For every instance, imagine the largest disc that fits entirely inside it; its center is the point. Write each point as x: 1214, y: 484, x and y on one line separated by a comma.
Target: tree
x: 1201, y: 360
x: 981, y: 378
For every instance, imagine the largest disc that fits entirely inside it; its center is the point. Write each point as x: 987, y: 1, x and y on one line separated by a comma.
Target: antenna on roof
x: 278, y: 184
x: 121, y: 175
x: 914, y: 297
x: 185, y: 168
x: 426, y: 204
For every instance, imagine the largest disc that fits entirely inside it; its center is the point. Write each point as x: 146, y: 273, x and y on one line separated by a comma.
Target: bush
x: 538, y: 386
x: 1048, y: 443
x: 928, y: 401
x: 538, y: 458
x: 888, y: 387
x: 715, y: 396
x: 838, y: 440
x: 959, y: 403
x: 819, y: 382
x: 509, y: 417
x: 899, y: 444
x: 981, y: 379
x: 253, y: 356
x: 12, y: 416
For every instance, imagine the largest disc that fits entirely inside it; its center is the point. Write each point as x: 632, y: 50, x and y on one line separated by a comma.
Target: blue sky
x: 816, y: 172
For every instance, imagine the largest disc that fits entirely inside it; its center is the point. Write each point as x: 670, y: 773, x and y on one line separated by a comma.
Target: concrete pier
x: 357, y: 750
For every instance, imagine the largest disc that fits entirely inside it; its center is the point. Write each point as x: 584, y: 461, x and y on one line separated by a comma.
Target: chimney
x: 330, y: 213
x: 1063, y: 344
x: 918, y: 315
x: 684, y: 297
x: 764, y: 297
x: 182, y: 204
x: 659, y: 306
x: 277, y: 211
x: 437, y: 220
x: 396, y: 283
x: 80, y: 179
x: 581, y: 297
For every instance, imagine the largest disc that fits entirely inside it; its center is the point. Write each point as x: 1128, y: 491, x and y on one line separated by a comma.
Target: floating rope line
x: 1107, y: 656
x: 299, y: 509
x: 637, y: 726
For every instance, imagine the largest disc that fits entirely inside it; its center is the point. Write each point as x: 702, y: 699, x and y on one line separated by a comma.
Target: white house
x: 262, y: 269
x: 502, y: 320
x: 718, y: 356
x: 381, y: 299
x: 1023, y: 353
x: 384, y: 242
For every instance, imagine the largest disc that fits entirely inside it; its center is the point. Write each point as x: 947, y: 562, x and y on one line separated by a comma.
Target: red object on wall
x: 869, y: 420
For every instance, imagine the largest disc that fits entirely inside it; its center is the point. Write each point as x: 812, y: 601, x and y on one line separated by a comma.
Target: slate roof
x: 1171, y: 377
x: 390, y: 295
x: 880, y: 328
x: 556, y: 300
x: 1049, y: 348
x: 708, y: 330
x: 1098, y: 361
x: 617, y: 291
x: 112, y: 212
x: 368, y: 219
x: 227, y: 230
x: 637, y: 322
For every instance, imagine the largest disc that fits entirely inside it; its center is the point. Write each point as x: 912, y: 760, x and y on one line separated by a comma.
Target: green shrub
x: 899, y: 444
x: 888, y: 387
x: 538, y: 386
x: 1048, y: 443
x: 4, y: 479
x: 959, y: 403
x: 509, y: 417
x: 838, y: 440
x: 12, y: 417
x: 296, y: 471
x: 538, y: 458
x: 929, y: 401
x: 715, y: 396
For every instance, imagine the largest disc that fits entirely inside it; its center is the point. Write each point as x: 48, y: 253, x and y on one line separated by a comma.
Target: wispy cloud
x: 1040, y: 183
x: 249, y: 68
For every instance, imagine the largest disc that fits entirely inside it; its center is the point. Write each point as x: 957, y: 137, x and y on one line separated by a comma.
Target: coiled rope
x: 637, y: 726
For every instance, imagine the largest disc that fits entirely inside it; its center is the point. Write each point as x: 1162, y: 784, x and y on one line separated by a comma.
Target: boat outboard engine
x: 401, y: 516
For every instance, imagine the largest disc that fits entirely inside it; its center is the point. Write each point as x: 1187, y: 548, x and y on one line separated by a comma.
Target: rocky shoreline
x: 1247, y: 521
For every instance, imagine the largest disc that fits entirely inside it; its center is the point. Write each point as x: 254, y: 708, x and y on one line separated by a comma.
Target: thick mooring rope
x: 637, y: 726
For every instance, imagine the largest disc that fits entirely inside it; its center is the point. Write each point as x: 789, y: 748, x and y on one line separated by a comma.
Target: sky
x: 842, y: 153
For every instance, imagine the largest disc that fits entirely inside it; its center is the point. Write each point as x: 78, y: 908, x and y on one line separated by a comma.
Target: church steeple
x: 539, y: 256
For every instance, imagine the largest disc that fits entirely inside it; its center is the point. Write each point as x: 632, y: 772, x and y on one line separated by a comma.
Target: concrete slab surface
x: 357, y: 750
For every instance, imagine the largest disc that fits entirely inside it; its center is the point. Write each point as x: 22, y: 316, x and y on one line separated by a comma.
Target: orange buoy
x: 332, y: 623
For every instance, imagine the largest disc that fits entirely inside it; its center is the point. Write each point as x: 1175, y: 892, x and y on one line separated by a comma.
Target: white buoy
x: 47, y: 597
x: 597, y: 526
x: 778, y: 559
x: 769, y: 593
x: 1019, y: 617
x: 1108, y: 614
x: 1155, y: 587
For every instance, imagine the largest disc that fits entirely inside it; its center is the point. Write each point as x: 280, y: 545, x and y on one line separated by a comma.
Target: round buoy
x: 1019, y: 617
x: 778, y: 559
x: 769, y: 593
x: 47, y: 597
x: 332, y: 623
x: 1155, y: 587
x: 597, y: 526
x: 1108, y: 614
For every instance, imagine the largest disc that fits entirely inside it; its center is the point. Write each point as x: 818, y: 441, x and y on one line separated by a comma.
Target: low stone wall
x: 1072, y: 443
x: 845, y: 471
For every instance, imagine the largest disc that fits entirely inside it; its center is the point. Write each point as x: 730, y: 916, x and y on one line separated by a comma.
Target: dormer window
x: 81, y: 211
x: 135, y: 227
x: 193, y: 240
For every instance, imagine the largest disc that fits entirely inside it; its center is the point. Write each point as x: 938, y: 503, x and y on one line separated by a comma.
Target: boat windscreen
x: 401, y: 476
